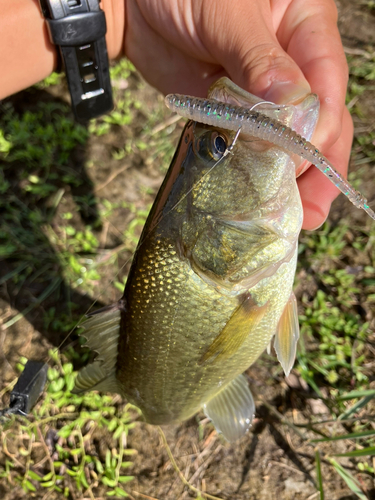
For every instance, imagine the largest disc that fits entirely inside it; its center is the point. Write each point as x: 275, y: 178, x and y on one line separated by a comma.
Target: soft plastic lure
x: 257, y: 124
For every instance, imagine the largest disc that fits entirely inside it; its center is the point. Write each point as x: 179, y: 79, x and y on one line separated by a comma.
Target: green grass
x: 56, y: 233
x: 71, y: 422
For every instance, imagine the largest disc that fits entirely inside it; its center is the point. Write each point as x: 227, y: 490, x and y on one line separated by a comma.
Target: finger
x: 115, y: 21
x: 317, y: 192
x: 243, y: 40
x: 309, y: 33
x: 154, y: 48
x: 214, y: 39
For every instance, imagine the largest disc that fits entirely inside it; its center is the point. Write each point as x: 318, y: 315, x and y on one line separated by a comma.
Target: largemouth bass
x: 211, y: 280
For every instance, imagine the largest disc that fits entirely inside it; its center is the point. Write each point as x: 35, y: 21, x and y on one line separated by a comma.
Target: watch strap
x: 78, y: 27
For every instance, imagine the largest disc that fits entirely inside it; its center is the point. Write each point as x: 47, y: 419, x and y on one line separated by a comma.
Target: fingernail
x: 287, y: 92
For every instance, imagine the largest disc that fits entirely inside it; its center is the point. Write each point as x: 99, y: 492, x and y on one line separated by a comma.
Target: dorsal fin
x: 102, y: 330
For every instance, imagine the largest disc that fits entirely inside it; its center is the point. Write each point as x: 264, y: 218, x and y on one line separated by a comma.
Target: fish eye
x: 220, y: 145
x: 211, y: 145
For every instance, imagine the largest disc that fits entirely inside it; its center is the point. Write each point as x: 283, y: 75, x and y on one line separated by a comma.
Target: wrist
x: 26, y: 50
x: 26, y: 53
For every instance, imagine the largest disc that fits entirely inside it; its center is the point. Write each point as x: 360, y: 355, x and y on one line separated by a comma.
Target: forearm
x: 26, y: 53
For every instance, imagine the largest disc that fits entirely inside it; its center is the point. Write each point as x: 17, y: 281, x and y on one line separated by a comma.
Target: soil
x: 270, y: 462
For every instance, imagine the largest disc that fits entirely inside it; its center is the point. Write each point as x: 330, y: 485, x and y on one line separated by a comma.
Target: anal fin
x: 102, y: 330
x: 287, y: 335
x: 232, y: 409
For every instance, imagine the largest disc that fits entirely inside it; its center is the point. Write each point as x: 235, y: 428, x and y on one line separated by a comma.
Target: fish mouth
x: 301, y: 117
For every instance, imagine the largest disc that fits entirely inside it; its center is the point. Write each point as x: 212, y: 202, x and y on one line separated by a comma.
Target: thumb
x: 251, y: 54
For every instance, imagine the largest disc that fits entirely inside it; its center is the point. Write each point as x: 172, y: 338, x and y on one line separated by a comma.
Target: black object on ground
x: 28, y: 388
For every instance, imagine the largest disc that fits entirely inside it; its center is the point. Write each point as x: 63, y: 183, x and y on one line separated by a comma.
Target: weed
x: 63, y: 425
x: 51, y: 80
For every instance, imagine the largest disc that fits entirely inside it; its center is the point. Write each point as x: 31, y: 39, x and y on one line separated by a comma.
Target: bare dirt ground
x: 270, y: 462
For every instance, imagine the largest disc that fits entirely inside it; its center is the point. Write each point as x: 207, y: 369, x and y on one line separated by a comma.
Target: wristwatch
x: 78, y: 27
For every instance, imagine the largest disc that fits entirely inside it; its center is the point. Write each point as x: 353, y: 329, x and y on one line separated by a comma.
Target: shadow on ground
x: 47, y: 159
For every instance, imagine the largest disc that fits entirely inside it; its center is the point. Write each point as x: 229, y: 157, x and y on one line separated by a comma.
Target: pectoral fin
x: 101, y: 330
x: 244, y: 319
x: 287, y: 335
x: 232, y: 409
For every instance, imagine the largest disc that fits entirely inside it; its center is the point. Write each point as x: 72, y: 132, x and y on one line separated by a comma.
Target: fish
x: 211, y: 282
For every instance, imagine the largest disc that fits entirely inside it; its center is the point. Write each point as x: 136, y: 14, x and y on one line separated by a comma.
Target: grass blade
x: 29, y: 308
x: 350, y: 480
x: 352, y: 435
x: 358, y: 453
x: 356, y: 407
x: 12, y: 273
x: 356, y: 394
x: 319, y: 474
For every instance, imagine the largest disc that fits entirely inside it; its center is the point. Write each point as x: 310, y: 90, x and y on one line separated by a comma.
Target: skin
x: 279, y: 50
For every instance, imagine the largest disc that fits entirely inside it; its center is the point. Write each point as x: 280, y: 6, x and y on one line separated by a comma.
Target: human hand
x: 279, y: 50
